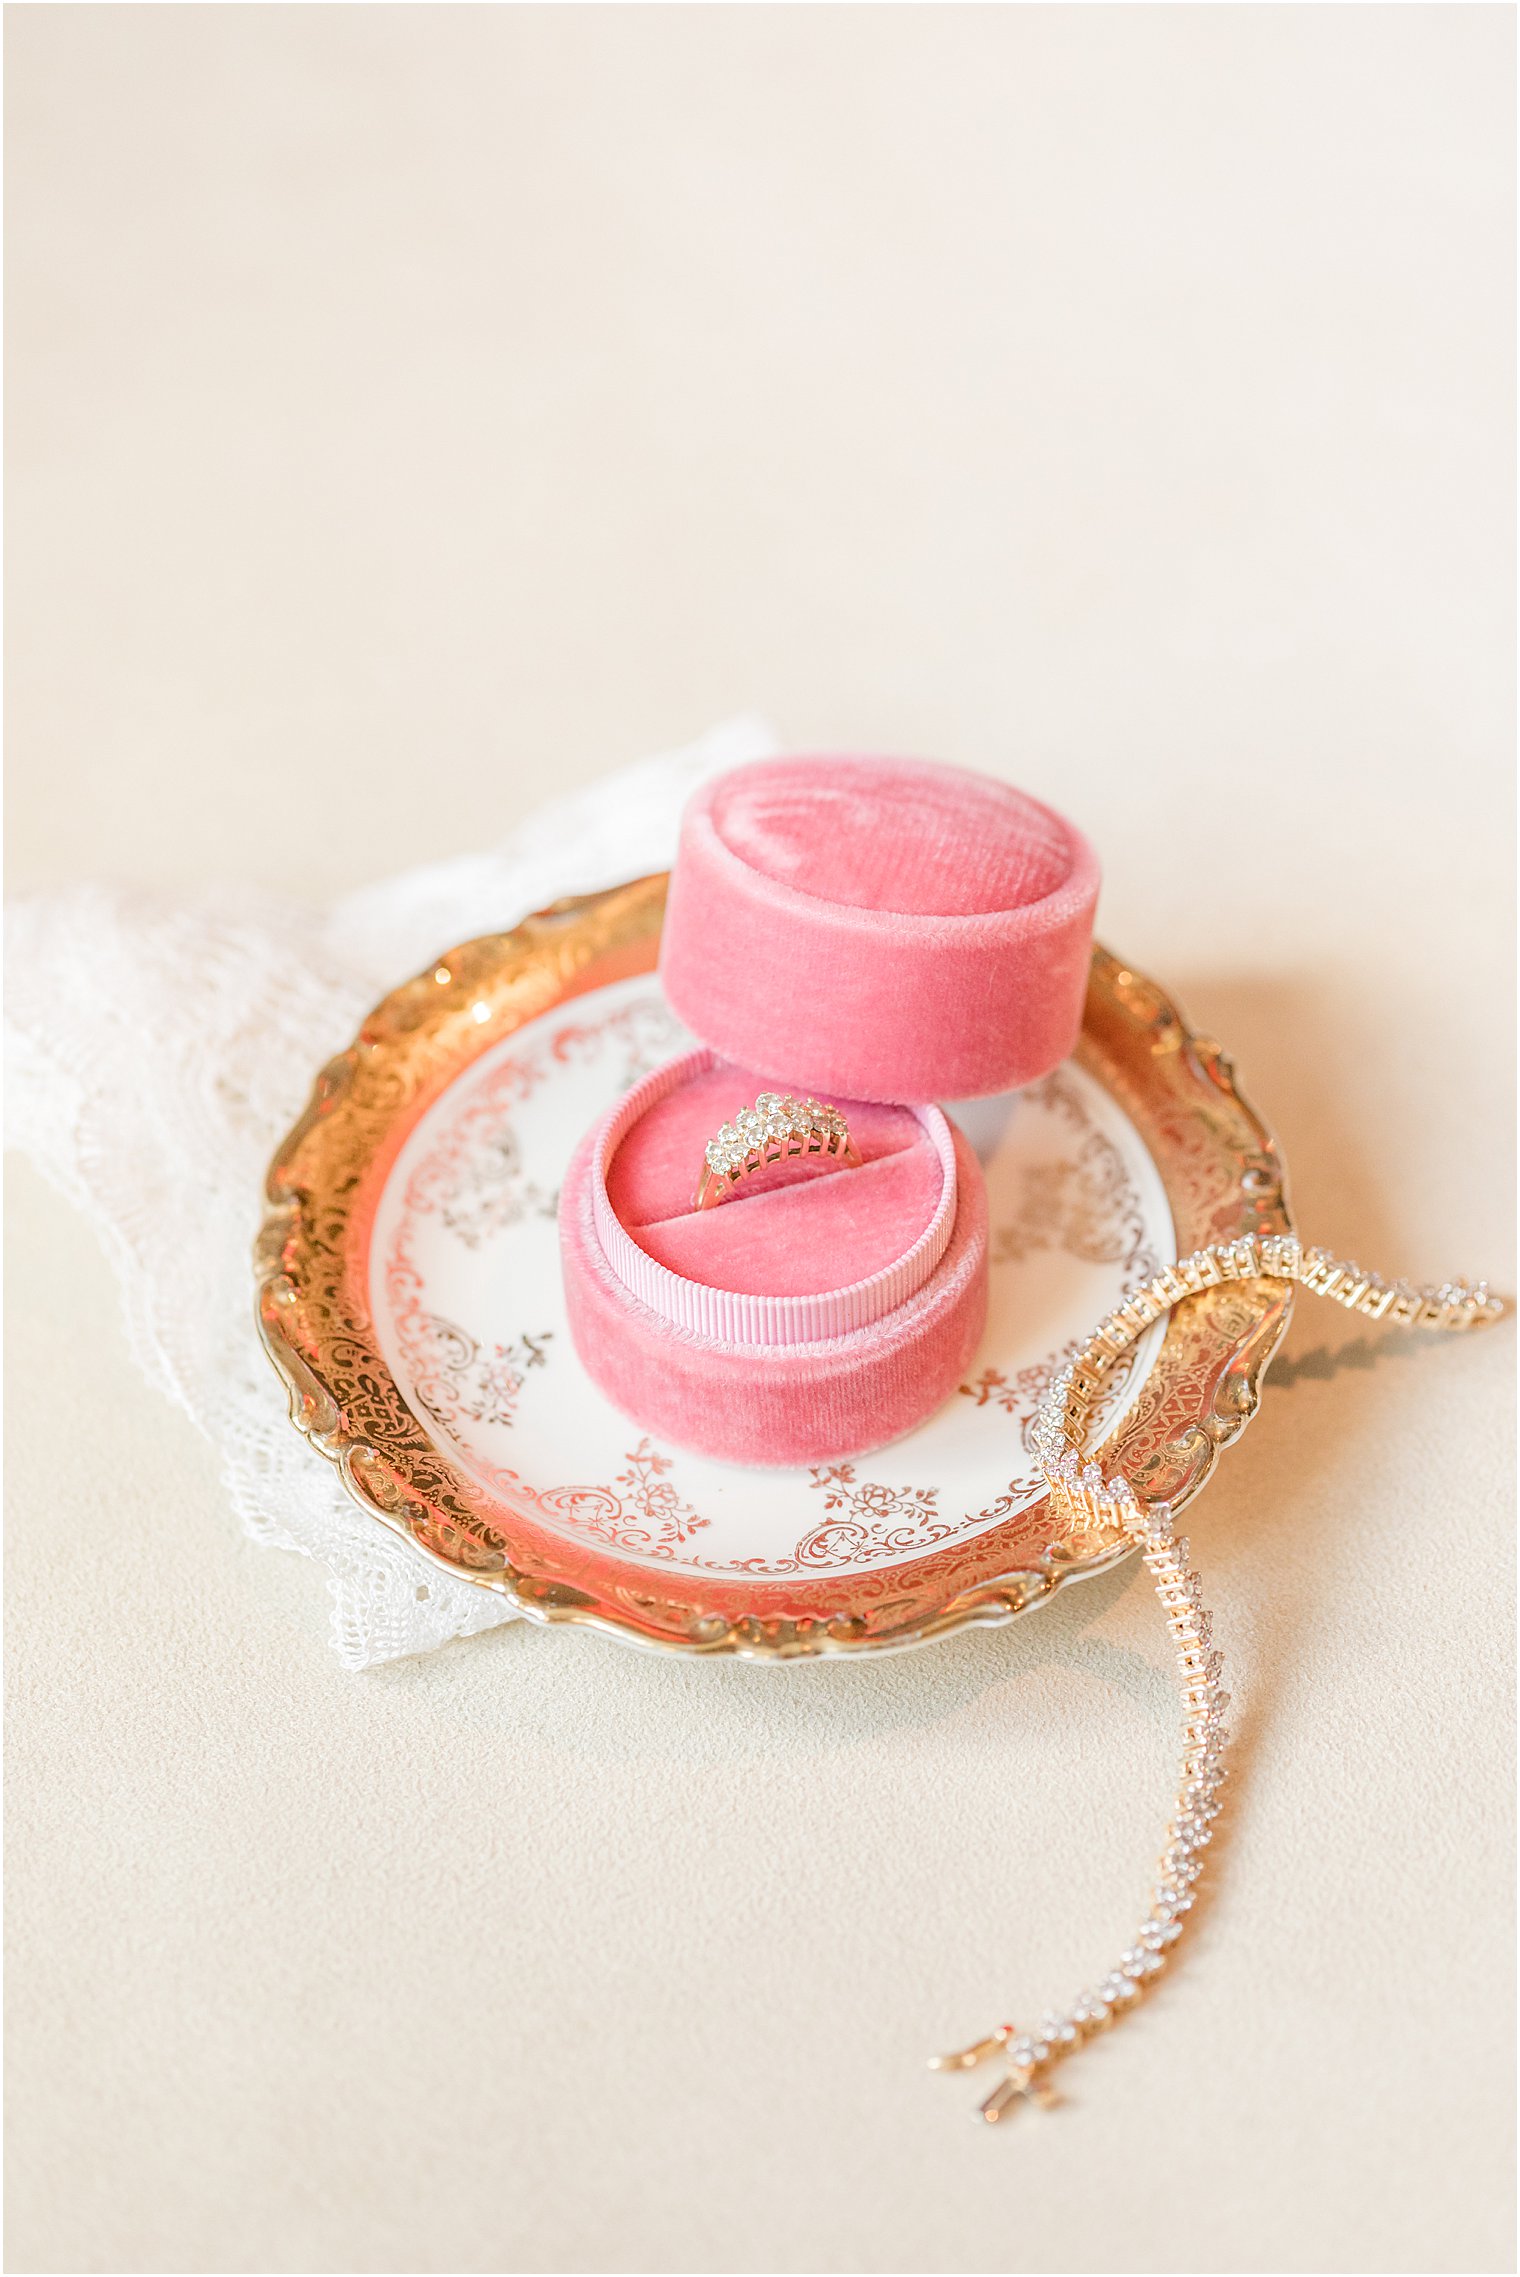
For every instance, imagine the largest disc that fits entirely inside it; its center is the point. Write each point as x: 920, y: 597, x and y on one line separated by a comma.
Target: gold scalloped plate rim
x: 1218, y: 1163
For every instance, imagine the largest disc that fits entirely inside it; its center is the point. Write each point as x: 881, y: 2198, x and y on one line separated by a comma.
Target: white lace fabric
x: 158, y: 1046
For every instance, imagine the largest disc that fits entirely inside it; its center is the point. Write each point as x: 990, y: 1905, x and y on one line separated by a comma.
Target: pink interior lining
x: 858, y: 1241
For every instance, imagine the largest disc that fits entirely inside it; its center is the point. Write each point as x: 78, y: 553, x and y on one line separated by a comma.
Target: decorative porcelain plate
x: 409, y: 1294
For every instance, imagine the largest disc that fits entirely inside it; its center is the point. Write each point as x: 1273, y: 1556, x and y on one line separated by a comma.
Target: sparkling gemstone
x: 1141, y: 1964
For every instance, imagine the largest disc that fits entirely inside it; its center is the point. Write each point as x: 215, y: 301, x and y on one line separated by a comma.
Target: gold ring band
x: 776, y: 1129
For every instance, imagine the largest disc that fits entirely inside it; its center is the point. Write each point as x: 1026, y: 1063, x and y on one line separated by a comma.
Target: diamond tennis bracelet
x: 1100, y: 1510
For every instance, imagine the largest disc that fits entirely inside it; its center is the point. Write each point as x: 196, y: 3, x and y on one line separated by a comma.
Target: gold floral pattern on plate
x: 415, y: 1161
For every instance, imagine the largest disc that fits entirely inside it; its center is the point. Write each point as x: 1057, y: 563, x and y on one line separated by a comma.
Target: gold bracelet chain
x: 1106, y: 1508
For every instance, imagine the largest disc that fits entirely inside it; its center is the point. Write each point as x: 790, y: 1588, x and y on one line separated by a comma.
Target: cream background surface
x: 415, y: 410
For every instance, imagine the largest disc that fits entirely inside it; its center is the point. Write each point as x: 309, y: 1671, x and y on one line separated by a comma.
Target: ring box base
x: 779, y: 1405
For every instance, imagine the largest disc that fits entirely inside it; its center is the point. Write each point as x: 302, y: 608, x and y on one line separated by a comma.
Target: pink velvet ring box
x: 879, y: 933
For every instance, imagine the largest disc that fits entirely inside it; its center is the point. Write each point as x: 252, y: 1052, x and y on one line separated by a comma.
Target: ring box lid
x: 879, y: 928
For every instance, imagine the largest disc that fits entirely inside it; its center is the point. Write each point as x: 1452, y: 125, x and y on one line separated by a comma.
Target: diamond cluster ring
x: 776, y: 1128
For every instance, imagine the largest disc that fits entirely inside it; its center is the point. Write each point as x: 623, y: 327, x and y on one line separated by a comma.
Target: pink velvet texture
x: 796, y: 1229
x: 885, y: 928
